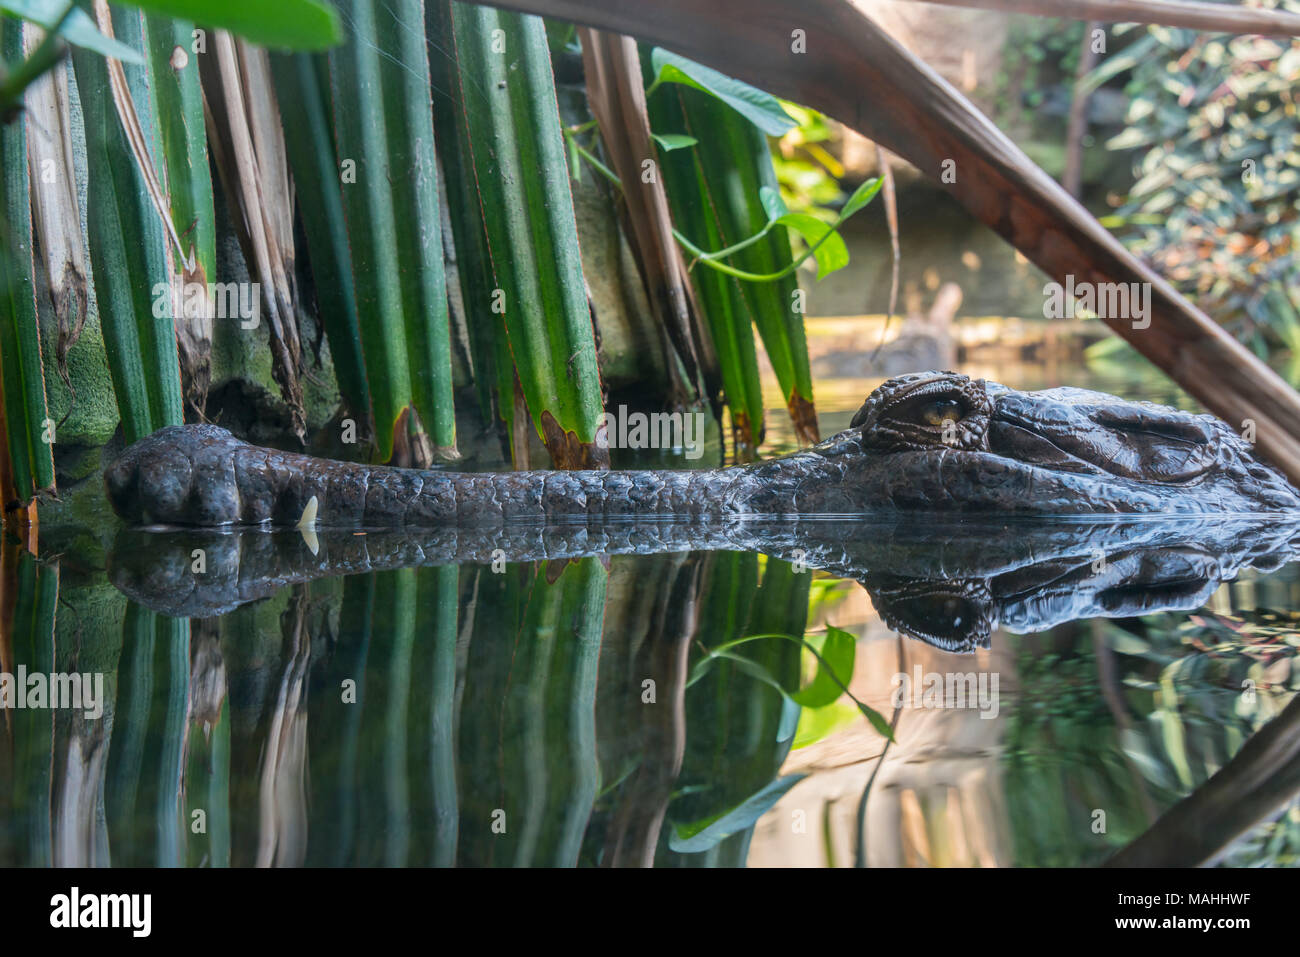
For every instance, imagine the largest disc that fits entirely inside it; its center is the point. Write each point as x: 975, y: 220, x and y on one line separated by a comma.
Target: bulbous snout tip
x: 149, y: 483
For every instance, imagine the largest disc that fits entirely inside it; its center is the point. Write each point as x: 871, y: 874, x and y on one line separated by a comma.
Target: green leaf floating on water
x: 700, y: 836
x: 78, y: 29
x: 761, y: 109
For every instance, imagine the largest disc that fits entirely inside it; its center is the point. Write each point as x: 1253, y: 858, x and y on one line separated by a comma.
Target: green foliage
x: 377, y: 101
x: 489, y: 346
x: 383, y: 122
x: 761, y: 109
x: 128, y: 246
x: 142, y: 799
x: 512, y: 145
x: 808, y: 173
x: 1065, y: 758
x: 74, y: 25
x: 301, y: 79
x: 735, y: 696
x: 30, y: 450
x: 1187, y: 692
x: 525, y: 743
x: 834, y: 653
x: 289, y: 24
x: 183, y: 140
x: 30, y: 771
x: 702, y: 208
x: 703, y: 835
x: 723, y: 189
x: 1039, y: 53
x: 1218, y: 677
x: 1215, y: 128
x: 1274, y: 843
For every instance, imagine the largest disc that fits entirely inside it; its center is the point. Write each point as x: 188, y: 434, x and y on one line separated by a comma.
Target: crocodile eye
x: 930, y: 411
x: 952, y: 622
x: 938, y: 412
x: 925, y: 411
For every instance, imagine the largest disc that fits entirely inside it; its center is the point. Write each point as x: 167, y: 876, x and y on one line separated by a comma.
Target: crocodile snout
x: 150, y: 482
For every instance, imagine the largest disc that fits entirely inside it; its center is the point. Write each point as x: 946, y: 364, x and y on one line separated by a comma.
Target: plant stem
x: 723, y: 651
x: 710, y: 259
x: 731, y: 250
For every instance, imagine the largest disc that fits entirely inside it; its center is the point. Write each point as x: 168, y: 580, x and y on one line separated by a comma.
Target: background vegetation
x: 408, y: 218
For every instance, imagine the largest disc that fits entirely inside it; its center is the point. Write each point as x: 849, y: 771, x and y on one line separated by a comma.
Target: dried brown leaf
x: 617, y: 98
x: 248, y: 149
x: 56, y: 217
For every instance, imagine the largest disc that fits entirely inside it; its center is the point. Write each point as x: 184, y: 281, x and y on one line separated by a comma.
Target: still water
x: 816, y: 693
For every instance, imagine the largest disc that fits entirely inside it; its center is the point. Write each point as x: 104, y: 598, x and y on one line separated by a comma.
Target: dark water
x: 659, y: 694
x: 609, y: 711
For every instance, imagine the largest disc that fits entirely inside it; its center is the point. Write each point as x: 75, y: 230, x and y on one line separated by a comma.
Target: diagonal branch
x: 1171, y: 13
x: 1260, y: 780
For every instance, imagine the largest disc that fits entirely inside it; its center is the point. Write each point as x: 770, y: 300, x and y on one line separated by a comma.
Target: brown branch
x: 1261, y: 779
x: 1170, y: 13
x: 617, y: 98
x: 890, y: 193
x: 1077, y: 126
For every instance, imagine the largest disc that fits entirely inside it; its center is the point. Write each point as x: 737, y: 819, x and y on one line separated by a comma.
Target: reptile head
x: 959, y: 614
x: 956, y: 442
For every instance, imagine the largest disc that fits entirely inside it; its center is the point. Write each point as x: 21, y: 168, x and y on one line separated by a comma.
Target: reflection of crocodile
x: 929, y: 441
x: 948, y: 584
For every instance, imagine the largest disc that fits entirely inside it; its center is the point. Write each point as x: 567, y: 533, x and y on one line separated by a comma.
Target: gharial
x: 933, y: 441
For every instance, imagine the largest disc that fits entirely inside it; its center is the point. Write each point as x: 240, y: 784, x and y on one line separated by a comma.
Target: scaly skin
x: 924, y: 442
